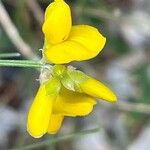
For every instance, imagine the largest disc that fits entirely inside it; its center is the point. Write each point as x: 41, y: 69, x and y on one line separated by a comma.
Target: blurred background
x: 123, y: 65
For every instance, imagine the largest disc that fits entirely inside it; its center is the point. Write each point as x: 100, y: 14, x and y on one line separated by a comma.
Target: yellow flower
x: 65, y: 43
x: 69, y: 92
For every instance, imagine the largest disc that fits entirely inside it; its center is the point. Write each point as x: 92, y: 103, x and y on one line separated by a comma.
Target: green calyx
x: 59, y: 71
x: 69, y: 77
x: 73, y: 78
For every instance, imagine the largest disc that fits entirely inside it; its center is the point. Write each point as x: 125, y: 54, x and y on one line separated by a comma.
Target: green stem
x: 58, y: 139
x: 9, y: 55
x: 21, y: 63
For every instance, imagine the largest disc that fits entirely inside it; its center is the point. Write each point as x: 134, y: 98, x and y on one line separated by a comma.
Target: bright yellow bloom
x: 62, y: 96
x: 67, y: 92
x: 65, y: 43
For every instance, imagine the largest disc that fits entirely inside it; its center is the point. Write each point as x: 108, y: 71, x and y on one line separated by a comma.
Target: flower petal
x: 71, y: 103
x: 39, y: 113
x: 55, y: 123
x: 89, y: 37
x: 64, y: 52
x: 41, y: 108
x: 97, y: 89
x: 84, y: 42
x: 57, y: 24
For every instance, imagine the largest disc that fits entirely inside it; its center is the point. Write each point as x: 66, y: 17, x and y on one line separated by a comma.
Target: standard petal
x: 57, y: 24
x: 84, y: 42
x: 89, y: 37
x: 73, y: 104
x: 55, y: 123
x: 39, y: 113
x: 64, y: 52
x: 97, y: 89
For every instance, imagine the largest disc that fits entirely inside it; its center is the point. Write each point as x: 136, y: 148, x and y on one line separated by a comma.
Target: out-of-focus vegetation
x: 123, y: 65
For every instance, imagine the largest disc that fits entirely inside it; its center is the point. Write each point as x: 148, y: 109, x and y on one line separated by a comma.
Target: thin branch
x: 36, y: 10
x: 129, y: 107
x: 13, y: 34
x: 9, y: 55
x: 21, y: 63
x: 95, y: 12
x: 133, y: 107
x: 58, y: 139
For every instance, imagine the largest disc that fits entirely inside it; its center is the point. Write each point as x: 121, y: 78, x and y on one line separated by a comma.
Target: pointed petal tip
x: 97, y: 89
x: 112, y: 98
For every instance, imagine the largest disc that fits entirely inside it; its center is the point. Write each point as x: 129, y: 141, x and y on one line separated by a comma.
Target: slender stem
x: 21, y: 63
x: 14, y: 35
x: 9, y: 55
x: 58, y: 139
